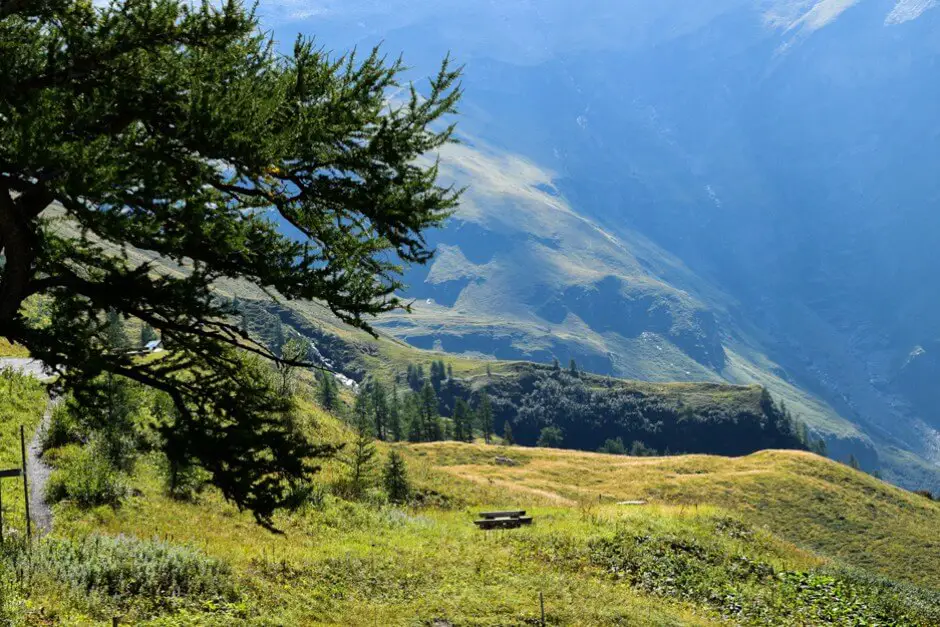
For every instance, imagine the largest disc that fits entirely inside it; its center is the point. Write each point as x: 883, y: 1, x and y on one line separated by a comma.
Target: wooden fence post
x: 29, y: 528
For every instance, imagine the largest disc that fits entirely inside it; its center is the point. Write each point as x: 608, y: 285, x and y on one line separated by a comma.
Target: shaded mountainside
x: 732, y: 191
x: 685, y: 417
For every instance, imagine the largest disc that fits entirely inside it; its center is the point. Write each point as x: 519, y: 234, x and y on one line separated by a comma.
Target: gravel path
x: 25, y: 365
x: 37, y: 473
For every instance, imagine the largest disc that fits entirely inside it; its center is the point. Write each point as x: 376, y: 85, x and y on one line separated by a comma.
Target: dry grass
x: 814, y: 502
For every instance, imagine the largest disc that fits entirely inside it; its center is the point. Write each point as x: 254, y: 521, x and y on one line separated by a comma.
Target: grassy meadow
x: 773, y: 538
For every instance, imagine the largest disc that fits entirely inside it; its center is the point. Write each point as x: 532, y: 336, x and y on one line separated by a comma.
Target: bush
x: 123, y: 567
x: 639, y: 449
x: 927, y: 494
x: 613, y: 447
x: 551, y: 437
x: 85, y: 477
x: 12, y: 604
x: 62, y: 429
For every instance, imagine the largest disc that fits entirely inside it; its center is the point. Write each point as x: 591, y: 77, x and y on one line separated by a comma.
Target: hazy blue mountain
x: 734, y: 189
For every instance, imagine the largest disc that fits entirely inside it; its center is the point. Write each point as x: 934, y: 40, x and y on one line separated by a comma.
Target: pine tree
x: 572, y: 368
x: 293, y: 352
x: 396, y: 479
x: 380, y: 410
x: 429, y: 414
x: 328, y: 392
x: 485, y: 416
x: 556, y: 367
x: 450, y: 371
x: 394, y: 417
x: 361, y: 456
x: 120, y: 114
x: 507, y: 433
x: 463, y: 427
x: 115, y: 337
x: 853, y: 462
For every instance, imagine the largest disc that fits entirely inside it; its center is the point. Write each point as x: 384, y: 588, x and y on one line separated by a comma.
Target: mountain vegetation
x: 738, y: 191
x: 403, y: 546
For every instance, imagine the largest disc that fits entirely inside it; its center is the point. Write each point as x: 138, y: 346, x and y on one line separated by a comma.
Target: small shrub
x: 927, y: 494
x: 85, y: 477
x: 613, y: 447
x: 122, y: 568
x: 305, y: 494
x: 62, y: 429
x: 12, y: 604
x: 551, y: 437
x: 639, y: 449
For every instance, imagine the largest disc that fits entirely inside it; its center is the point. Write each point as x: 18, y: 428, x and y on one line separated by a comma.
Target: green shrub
x: 12, y: 604
x: 63, y: 429
x: 85, y: 477
x: 123, y: 567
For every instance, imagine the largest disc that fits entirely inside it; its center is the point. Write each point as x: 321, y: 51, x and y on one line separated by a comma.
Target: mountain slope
x: 654, y: 180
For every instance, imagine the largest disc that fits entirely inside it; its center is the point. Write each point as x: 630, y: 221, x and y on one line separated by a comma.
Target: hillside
x: 818, y: 504
x: 735, y: 191
x: 596, y: 562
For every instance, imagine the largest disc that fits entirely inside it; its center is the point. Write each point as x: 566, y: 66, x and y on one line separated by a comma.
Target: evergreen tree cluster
x: 419, y: 415
x: 565, y: 408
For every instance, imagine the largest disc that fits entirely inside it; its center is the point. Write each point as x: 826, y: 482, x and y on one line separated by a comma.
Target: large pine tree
x: 178, y: 129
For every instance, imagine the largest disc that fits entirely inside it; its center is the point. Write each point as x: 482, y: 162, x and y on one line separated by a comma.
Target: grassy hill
x: 752, y: 541
x: 818, y: 504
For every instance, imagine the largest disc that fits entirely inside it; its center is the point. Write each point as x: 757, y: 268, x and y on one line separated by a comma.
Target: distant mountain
x: 672, y: 190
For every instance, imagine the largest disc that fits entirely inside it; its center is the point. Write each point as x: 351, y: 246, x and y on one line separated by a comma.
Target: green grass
x: 706, y: 549
x: 8, y: 349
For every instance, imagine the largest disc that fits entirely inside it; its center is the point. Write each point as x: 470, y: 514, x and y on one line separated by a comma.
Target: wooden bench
x: 503, y: 520
x: 515, y: 513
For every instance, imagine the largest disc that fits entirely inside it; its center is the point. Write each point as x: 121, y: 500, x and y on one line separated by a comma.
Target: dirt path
x: 37, y: 473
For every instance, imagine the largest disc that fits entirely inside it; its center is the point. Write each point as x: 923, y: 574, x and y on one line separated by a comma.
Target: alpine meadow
x: 469, y: 314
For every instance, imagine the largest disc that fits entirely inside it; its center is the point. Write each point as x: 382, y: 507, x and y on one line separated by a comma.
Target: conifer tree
x: 429, y: 414
x: 395, y: 418
x: 463, y: 427
x: 396, y: 478
x: 485, y: 416
x: 572, y: 368
x: 380, y: 410
x: 115, y: 337
x: 328, y: 392
x: 507, y: 433
x: 181, y: 130
x: 361, y: 455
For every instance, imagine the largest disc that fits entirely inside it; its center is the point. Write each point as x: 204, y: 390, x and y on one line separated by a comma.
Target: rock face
x: 728, y: 190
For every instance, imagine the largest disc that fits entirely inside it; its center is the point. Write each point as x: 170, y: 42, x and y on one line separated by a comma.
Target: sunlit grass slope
x: 814, y: 502
x: 674, y: 561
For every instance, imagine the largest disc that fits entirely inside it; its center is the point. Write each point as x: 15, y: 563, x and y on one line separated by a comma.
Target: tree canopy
x: 180, y: 130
